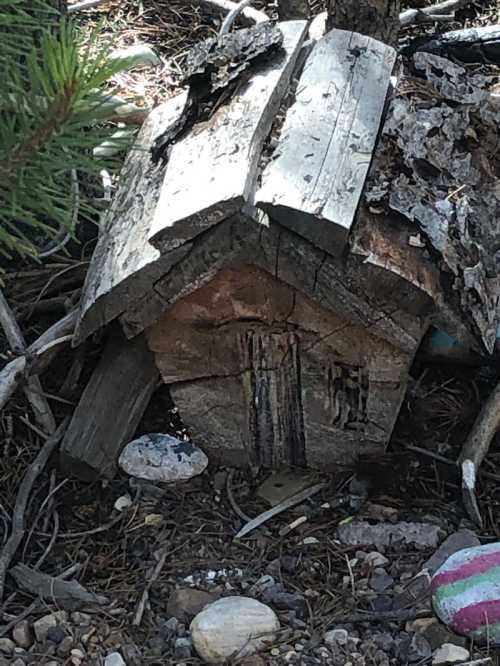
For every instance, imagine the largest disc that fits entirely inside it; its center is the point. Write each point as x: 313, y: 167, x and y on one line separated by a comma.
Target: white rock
x: 42, y: 625
x: 450, y: 654
x: 158, y: 457
x: 336, y: 637
x: 139, y: 55
x: 233, y: 626
x: 114, y: 659
x: 123, y: 503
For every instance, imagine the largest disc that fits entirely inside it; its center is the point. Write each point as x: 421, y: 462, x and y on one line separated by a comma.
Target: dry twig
x: 18, y: 523
x: 154, y: 576
x: 279, y: 508
x: 33, y: 389
x: 443, y: 11
x: 475, y: 449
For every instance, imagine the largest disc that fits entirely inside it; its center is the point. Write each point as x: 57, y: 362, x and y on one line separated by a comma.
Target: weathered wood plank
x: 212, y: 170
x: 124, y: 265
x: 314, y: 184
x: 110, y: 408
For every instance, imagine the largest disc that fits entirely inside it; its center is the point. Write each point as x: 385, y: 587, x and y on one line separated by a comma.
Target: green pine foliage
x: 53, y: 104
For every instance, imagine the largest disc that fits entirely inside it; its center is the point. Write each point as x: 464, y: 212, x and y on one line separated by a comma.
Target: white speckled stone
x: 158, y: 457
x: 233, y: 626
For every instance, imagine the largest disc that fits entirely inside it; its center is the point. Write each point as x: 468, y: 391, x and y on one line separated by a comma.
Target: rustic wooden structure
x: 281, y: 311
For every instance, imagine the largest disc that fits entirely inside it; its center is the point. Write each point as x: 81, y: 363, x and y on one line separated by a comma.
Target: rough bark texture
x: 289, y: 10
x: 375, y: 18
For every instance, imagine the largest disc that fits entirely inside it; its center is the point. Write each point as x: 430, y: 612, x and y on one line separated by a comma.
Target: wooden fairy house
x: 247, y: 271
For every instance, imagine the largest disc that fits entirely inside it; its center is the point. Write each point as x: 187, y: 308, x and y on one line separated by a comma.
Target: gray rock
x: 382, y: 535
x: 185, y: 603
x: 114, y: 659
x: 65, y: 646
x: 183, y: 648
x: 138, y: 55
x: 375, y: 559
x: 18, y: 662
x: 158, y: 457
x: 450, y: 654
x: 22, y: 634
x: 82, y: 619
x: 336, y: 637
x: 381, y: 582
x: 455, y: 542
x: 42, y: 625
x: 419, y: 649
x: 7, y: 646
x: 437, y: 634
x: 233, y: 625
x: 56, y: 634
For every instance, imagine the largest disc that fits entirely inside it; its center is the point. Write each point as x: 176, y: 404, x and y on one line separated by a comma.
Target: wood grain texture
x: 110, y: 408
x: 261, y: 372
x: 212, y: 170
x: 314, y: 183
x: 291, y: 259
x: 124, y: 265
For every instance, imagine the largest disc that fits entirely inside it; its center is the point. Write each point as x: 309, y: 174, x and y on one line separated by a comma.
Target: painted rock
x: 466, y: 593
x: 158, y: 457
x: 233, y: 627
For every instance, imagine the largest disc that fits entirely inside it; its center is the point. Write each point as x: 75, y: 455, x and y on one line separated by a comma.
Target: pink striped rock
x: 466, y: 593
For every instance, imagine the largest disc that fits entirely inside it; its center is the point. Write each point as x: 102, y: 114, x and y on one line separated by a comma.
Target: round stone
x: 466, y: 593
x: 158, y: 457
x: 233, y: 627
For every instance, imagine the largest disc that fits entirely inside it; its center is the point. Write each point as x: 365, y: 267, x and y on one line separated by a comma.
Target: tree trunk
x: 376, y: 18
x: 292, y: 10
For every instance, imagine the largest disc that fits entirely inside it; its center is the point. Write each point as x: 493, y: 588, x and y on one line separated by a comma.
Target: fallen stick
x: 475, y: 449
x: 251, y: 14
x: 33, y: 389
x: 84, y: 4
x: 48, y: 588
x: 145, y: 595
x: 279, y: 508
x: 18, y: 518
x: 444, y: 11
x: 36, y: 357
x: 470, y: 45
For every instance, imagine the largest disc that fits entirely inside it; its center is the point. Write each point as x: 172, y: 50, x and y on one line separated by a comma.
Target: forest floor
x: 190, y: 527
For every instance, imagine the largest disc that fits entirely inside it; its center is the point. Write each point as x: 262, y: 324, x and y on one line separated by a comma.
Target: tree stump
x: 376, y: 18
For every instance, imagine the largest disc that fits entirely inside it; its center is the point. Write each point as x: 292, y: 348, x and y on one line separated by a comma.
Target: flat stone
x: 233, y: 625
x: 375, y: 559
x: 56, y: 634
x: 381, y: 582
x: 450, y: 654
x: 22, y: 634
x: 159, y: 457
x: 418, y: 535
x: 114, y: 659
x: 455, y: 542
x: 42, y: 625
x: 185, y: 603
x: 466, y: 593
x: 7, y: 646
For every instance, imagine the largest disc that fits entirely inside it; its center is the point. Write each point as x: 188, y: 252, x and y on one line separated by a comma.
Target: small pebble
x: 7, y: 646
x: 114, y: 659
x: 22, y: 634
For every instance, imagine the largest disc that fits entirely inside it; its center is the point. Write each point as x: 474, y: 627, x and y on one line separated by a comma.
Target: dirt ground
x: 189, y: 528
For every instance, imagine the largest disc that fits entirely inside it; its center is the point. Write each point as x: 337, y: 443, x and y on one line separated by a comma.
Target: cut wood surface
x: 211, y: 171
x: 111, y: 406
x: 124, y: 265
x: 376, y: 18
x: 293, y: 260
x: 314, y: 183
x: 261, y: 373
